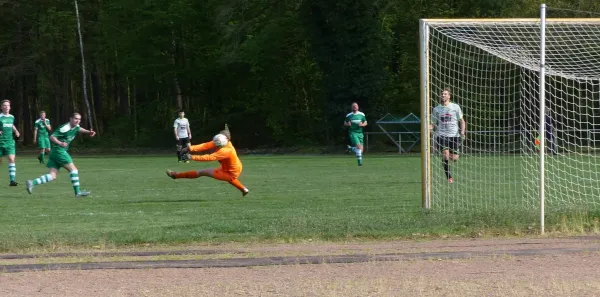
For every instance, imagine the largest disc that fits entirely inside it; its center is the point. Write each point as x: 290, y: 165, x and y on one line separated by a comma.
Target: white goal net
x: 493, y: 70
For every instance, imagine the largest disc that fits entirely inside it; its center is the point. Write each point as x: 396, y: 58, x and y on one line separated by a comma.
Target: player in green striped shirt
x: 59, y: 156
x: 356, y: 120
x: 40, y: 135
x: 7, y: 141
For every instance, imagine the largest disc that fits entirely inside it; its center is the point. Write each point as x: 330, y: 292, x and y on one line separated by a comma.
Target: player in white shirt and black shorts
x: 450, y: 128
x: 183, y: 134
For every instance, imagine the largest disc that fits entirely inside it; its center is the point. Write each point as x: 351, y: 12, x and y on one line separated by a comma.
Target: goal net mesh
x: 492, y: 69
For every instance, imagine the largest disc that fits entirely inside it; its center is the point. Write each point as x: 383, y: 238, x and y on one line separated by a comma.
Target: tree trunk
x: 96, y: 94
x: 175, y: 79
x: 17, y: 107
x: 135, y: 120
x: 74, y: 97
x: 124, y: 94
x: 178, y: 91
x: 28, y: 114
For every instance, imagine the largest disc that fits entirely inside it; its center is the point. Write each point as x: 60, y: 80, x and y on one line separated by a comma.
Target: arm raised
x: 219, y: 155
x: 202, y: 147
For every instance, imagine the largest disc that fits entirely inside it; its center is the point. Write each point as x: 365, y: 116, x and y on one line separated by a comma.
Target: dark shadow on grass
x: 120, y: 254
x: 166, y: 201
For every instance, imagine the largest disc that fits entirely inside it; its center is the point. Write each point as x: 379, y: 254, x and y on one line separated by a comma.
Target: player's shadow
x: 167, y: 201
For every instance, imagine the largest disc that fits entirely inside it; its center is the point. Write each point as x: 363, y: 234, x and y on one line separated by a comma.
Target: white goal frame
x: 426, y: 108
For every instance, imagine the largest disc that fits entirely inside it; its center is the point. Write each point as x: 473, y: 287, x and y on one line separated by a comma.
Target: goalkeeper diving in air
x: 231, y: 166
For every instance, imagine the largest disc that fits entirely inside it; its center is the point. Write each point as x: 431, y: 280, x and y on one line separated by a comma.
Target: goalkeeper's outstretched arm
x: 202, y: 147
x: 219, y: 155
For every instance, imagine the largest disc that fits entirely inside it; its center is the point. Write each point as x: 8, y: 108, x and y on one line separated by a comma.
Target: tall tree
x: 348, y: 45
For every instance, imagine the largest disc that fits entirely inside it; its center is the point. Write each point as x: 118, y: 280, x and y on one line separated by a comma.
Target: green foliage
x: 279, y: 72
x: 350, y: 49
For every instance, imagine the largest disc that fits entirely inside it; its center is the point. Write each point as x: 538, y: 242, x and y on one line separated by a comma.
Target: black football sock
x: 447, y: 168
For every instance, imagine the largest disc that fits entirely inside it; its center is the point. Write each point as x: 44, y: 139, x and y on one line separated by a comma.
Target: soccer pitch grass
x: 292, y: 199
x: 572, y: 181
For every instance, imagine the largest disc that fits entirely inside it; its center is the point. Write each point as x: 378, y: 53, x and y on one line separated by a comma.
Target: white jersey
x: 182, y: 127
x: 445, y: 119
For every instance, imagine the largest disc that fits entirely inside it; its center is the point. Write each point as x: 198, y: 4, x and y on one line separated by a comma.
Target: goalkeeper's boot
x: 83, y: 194
x: 29, y: 185
x: 13, y: 183
x: 172, y: 174
x: 245, y: 192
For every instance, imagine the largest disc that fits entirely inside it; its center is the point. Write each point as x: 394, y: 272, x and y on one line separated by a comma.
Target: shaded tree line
x: 278, y: 72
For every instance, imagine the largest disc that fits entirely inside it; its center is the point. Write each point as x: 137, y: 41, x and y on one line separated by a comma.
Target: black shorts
x: 452, y: 144
x: 183, y: 142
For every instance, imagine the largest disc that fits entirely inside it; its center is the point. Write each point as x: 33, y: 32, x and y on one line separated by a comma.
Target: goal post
x: 425, y: 114
x: 529, y: 90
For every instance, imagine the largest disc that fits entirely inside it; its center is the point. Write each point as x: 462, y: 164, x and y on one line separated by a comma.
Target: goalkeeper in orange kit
x: 231, y: 166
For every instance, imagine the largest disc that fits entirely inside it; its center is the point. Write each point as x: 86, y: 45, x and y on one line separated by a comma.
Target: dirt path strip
x: 294, y: 260
x: 119, y: 254
x: 377, y: 247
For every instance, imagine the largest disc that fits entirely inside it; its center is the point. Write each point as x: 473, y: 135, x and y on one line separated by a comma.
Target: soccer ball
x: 220, y: 140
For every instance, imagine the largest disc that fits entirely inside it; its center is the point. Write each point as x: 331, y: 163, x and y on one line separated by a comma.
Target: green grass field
x: 292, y: 199
x: 512, y: 181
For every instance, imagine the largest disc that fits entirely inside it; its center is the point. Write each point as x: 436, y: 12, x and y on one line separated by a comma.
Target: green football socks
x: 42, y: 179
x: 75, y: 181
x: 12, y: 171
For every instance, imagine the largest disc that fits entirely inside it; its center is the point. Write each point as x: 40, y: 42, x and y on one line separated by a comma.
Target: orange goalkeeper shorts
x: 219, y: 174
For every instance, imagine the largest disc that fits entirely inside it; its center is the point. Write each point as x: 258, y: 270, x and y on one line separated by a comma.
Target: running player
x: 7, y: 140
x: 40, y: 135
x: 183, y: 134
x: 445, y: 119
x: 356, y: 120
x: 59, y: 156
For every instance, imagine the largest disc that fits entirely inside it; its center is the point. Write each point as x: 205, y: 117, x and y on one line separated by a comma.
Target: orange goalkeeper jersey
x: 226, y: 155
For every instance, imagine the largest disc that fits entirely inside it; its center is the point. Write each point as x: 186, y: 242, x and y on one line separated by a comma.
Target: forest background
x: 280, y: 73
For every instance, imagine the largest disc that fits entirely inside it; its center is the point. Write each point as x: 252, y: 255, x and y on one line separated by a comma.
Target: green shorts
x: 43, y: 142
x: 6, y: 150
x: 58, y: 159
x: 356, y: 138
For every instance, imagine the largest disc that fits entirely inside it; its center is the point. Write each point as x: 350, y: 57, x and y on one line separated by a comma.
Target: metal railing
x: 406, y: 140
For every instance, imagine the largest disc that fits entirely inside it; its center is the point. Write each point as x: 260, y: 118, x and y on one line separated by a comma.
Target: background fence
x: 497, y: 141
